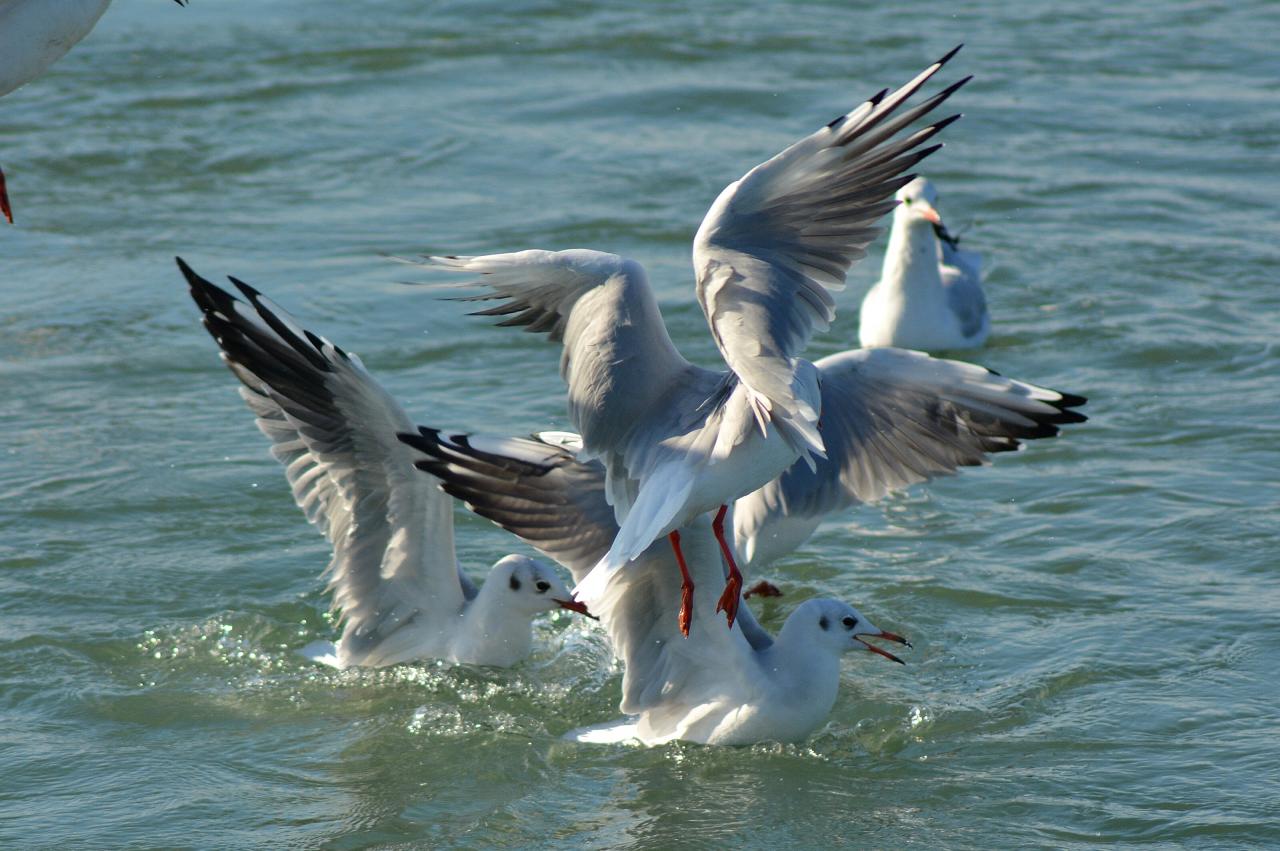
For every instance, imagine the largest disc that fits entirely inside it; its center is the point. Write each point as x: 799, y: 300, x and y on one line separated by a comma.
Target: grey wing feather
x: 333, y: 428
x: 539, y: 492
x: 546, y: 495
x: 620, y: 365
x: 777, y: 241
x: 892, y: 418
x: 556, y: 503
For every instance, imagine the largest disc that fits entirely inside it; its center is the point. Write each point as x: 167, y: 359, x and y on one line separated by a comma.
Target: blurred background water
x: 1092, y: 618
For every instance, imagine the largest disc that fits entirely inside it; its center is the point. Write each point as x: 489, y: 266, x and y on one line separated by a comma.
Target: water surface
x: 1092, y: 617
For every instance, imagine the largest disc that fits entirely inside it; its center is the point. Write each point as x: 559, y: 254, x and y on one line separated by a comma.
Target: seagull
x: 929, y: 295
x: 716, y: 686
x: 394, y: 575
x: 677, y: 440
x: 34, y: 34
x: 909, y: 417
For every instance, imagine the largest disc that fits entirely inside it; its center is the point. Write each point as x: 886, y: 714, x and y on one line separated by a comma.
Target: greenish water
x: 1093, y: 618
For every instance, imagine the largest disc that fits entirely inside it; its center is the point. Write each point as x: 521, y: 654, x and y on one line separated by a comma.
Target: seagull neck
x: 911, y: 259
x: 808, y: 675
x: 495, y: 632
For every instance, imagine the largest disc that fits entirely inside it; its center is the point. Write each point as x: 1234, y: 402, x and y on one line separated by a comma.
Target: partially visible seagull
x: 677, y: 440
x: 394, y: 575
x: 34, y: 34
x: 712, y: 685
x: 904, y: 417
x: 929, y: 296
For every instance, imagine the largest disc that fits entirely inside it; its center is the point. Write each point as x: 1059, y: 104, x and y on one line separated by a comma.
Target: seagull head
x: 534, y: 586
x: 917, y: 207
x: 841, y: 627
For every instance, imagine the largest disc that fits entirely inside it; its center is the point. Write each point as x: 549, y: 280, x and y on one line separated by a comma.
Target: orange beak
x: 574, y: 606
x: 927, y: 212
x: 887, y: 636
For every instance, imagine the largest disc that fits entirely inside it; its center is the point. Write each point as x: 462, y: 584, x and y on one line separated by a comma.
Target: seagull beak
x: 4, y: 201
x: 574, y: 606
x: 926, y: 212
x: 887, y: 636
x: 940, y: 230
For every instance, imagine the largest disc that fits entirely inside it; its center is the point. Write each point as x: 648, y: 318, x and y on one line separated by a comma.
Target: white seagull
x: 34, y: 34
x: 715, y: 686
x: 394, y: 575
x: 678, y: 440
x: 929, y: 295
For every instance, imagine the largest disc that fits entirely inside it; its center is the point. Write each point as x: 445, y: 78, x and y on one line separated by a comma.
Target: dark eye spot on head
x: 906, y: 201
x: 824, y: 623
x: 514, y: 583
x: 849, y: 623
x: 542, y: 586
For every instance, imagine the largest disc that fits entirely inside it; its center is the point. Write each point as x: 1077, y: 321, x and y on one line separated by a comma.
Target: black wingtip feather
x: 952, y: 52
x: 248, y: 291
x: 314, y: 340
x: 423, y: 441
x: 946, y: 122
x: 1071, y: 400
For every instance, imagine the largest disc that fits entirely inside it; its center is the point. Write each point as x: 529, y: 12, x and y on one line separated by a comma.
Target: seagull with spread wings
x: 677, y: 440
x: 394, y: 576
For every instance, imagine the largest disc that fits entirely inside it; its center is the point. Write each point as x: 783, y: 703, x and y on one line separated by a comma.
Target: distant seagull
x: 394, y: 574
x: 929, y: 296
x: 34, y: 34
x: 678, y: 440
x: 717, y: 686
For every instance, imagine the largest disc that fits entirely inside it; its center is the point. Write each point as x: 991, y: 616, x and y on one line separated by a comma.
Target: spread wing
x: 334, y: 430
x: 892, y: 418
x: 778, y: 240
x: 629, y: 388
x: 541, y: 491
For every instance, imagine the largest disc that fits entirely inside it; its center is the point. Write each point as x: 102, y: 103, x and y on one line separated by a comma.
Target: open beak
x: 574, y: 606
x: 887, y: 636
x: 4, y: 200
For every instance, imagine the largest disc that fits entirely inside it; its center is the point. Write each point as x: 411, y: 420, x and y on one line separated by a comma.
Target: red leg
x: 763, y: 588
x: 686, y: 586
x: 733, y: 585
x: 4, y: 201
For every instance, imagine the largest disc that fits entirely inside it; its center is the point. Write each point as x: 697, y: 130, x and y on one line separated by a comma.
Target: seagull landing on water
x: 732, y: 686
x: 676, y: 440
x: 33, y: 35
x: 394, y: 575
x: 929, y: 296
